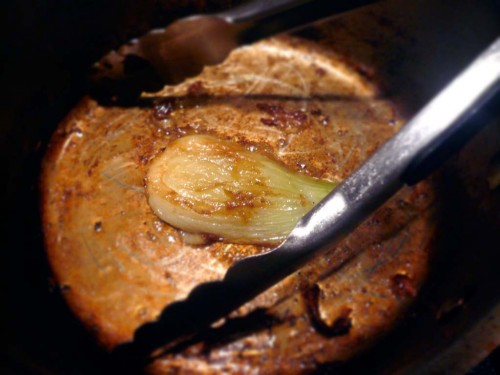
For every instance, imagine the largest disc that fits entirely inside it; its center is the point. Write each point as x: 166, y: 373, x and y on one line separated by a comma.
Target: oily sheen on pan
x: 120, y: 264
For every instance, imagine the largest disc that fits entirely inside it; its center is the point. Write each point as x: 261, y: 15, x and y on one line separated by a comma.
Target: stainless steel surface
x: 183, y: 48
x: 342, y: 210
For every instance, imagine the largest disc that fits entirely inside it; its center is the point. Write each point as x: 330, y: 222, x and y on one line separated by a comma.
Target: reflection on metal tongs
x: 405, y: 159
x: 182, y: 49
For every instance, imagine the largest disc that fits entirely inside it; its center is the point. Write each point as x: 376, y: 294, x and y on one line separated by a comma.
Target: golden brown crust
x: 121, y: 265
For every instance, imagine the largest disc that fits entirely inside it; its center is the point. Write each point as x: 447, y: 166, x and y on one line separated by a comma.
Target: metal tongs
x: 186, y: 46
x: 405, y: 159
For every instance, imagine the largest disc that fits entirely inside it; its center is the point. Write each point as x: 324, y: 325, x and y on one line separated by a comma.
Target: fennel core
x: 204, y: 185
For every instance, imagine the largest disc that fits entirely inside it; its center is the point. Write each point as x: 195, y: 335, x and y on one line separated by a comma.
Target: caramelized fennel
x: 204, y: 185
